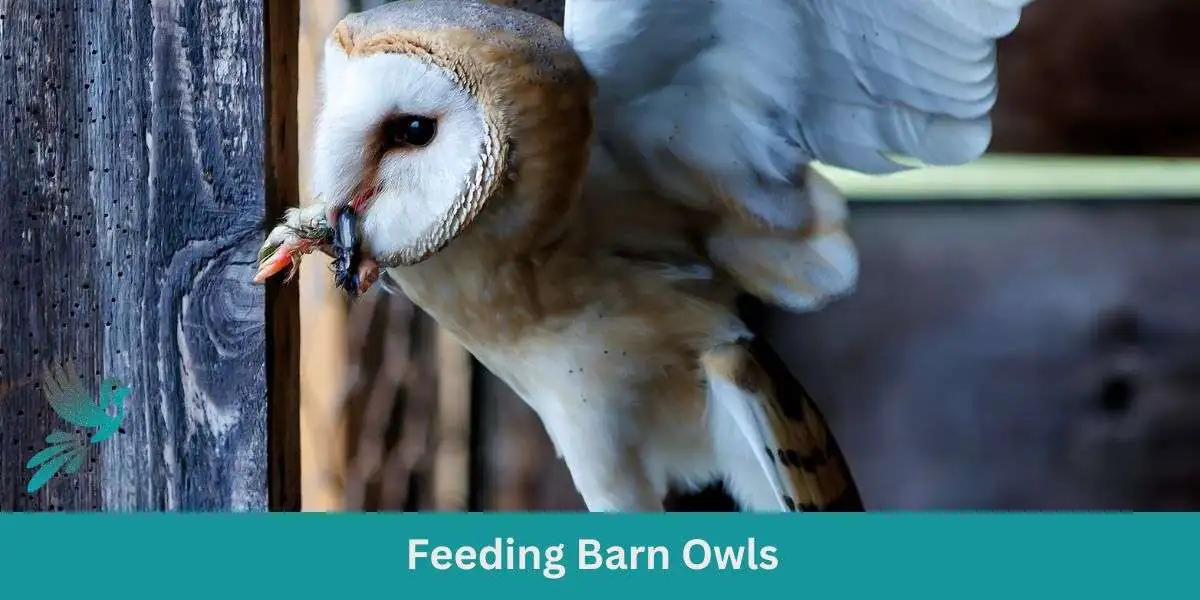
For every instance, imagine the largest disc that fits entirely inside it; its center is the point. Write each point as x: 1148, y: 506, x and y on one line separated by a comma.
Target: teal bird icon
x: 104, y: 413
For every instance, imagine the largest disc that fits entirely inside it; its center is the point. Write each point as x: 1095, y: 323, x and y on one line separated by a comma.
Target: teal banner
x: 959, y: 556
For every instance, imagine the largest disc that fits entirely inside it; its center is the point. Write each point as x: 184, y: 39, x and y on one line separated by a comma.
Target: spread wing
x: 735, y: 97
x: 64, y: 391
x: 721, y: 105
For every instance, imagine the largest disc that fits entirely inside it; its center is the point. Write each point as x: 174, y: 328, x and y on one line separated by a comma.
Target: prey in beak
x: 353, y: 271
x: 346, y: 246
x: 333, y: 231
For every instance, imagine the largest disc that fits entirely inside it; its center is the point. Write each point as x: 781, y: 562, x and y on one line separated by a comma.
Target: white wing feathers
x: 738, y: 95
x: 721, y: 104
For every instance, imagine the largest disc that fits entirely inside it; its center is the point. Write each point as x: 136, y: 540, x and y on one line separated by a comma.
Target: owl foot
x: 303, y: 230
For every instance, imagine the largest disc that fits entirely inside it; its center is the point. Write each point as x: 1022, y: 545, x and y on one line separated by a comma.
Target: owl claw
x: 302, y: 231
x: 287, y: 255
x: 272, y: 265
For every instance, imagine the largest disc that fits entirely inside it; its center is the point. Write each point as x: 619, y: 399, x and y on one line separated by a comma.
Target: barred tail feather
x: 783, y: 456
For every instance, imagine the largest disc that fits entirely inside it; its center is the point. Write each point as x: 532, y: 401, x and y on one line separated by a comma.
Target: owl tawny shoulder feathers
x: 583, y: 210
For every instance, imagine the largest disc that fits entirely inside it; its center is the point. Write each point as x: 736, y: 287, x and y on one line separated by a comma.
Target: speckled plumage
x: 597, y: 274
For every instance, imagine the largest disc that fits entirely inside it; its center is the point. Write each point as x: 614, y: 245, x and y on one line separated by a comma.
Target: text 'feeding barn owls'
x: 582, y: 209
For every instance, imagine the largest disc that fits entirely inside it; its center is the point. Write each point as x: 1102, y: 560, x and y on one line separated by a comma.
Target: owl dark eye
x: 413, y: 131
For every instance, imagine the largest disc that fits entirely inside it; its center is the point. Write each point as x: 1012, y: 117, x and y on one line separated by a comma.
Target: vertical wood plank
x: 282, y: 161
x: 141, y: 163
x: 452, y: 460
x: 59, y: 141
x: 322, y: 305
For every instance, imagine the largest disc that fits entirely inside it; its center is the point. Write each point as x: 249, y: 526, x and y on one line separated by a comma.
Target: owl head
x: 443, y: 118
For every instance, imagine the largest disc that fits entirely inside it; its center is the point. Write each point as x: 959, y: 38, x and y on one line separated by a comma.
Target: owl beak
x: 358, y: 205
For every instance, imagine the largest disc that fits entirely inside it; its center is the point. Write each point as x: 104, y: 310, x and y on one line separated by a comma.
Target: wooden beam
x: 323, y: 315
x: 146, y: 146
x: 1030, y: 177
x: 282, y: 163
x: 452, y: 457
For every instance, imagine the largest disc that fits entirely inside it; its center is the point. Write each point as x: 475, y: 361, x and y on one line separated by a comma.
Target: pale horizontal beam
x: 1031, y: 177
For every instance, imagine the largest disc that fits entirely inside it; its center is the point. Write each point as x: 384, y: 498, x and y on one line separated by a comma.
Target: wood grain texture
x: 54, y: 305
x: 139, y: 170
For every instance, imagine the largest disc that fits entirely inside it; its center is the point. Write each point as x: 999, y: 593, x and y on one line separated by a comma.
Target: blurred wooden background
x: 997, y: 355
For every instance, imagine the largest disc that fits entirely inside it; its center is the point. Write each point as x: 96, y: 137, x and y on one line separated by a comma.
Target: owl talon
x: 272, y: 265
x: 286, y: 255
x: 303, y: 230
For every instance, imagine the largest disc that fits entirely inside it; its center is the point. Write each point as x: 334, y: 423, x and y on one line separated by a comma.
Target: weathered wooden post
x: 143, y: 147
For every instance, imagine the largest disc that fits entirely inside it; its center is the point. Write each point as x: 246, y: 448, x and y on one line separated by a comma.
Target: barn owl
x: 582, y: 206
